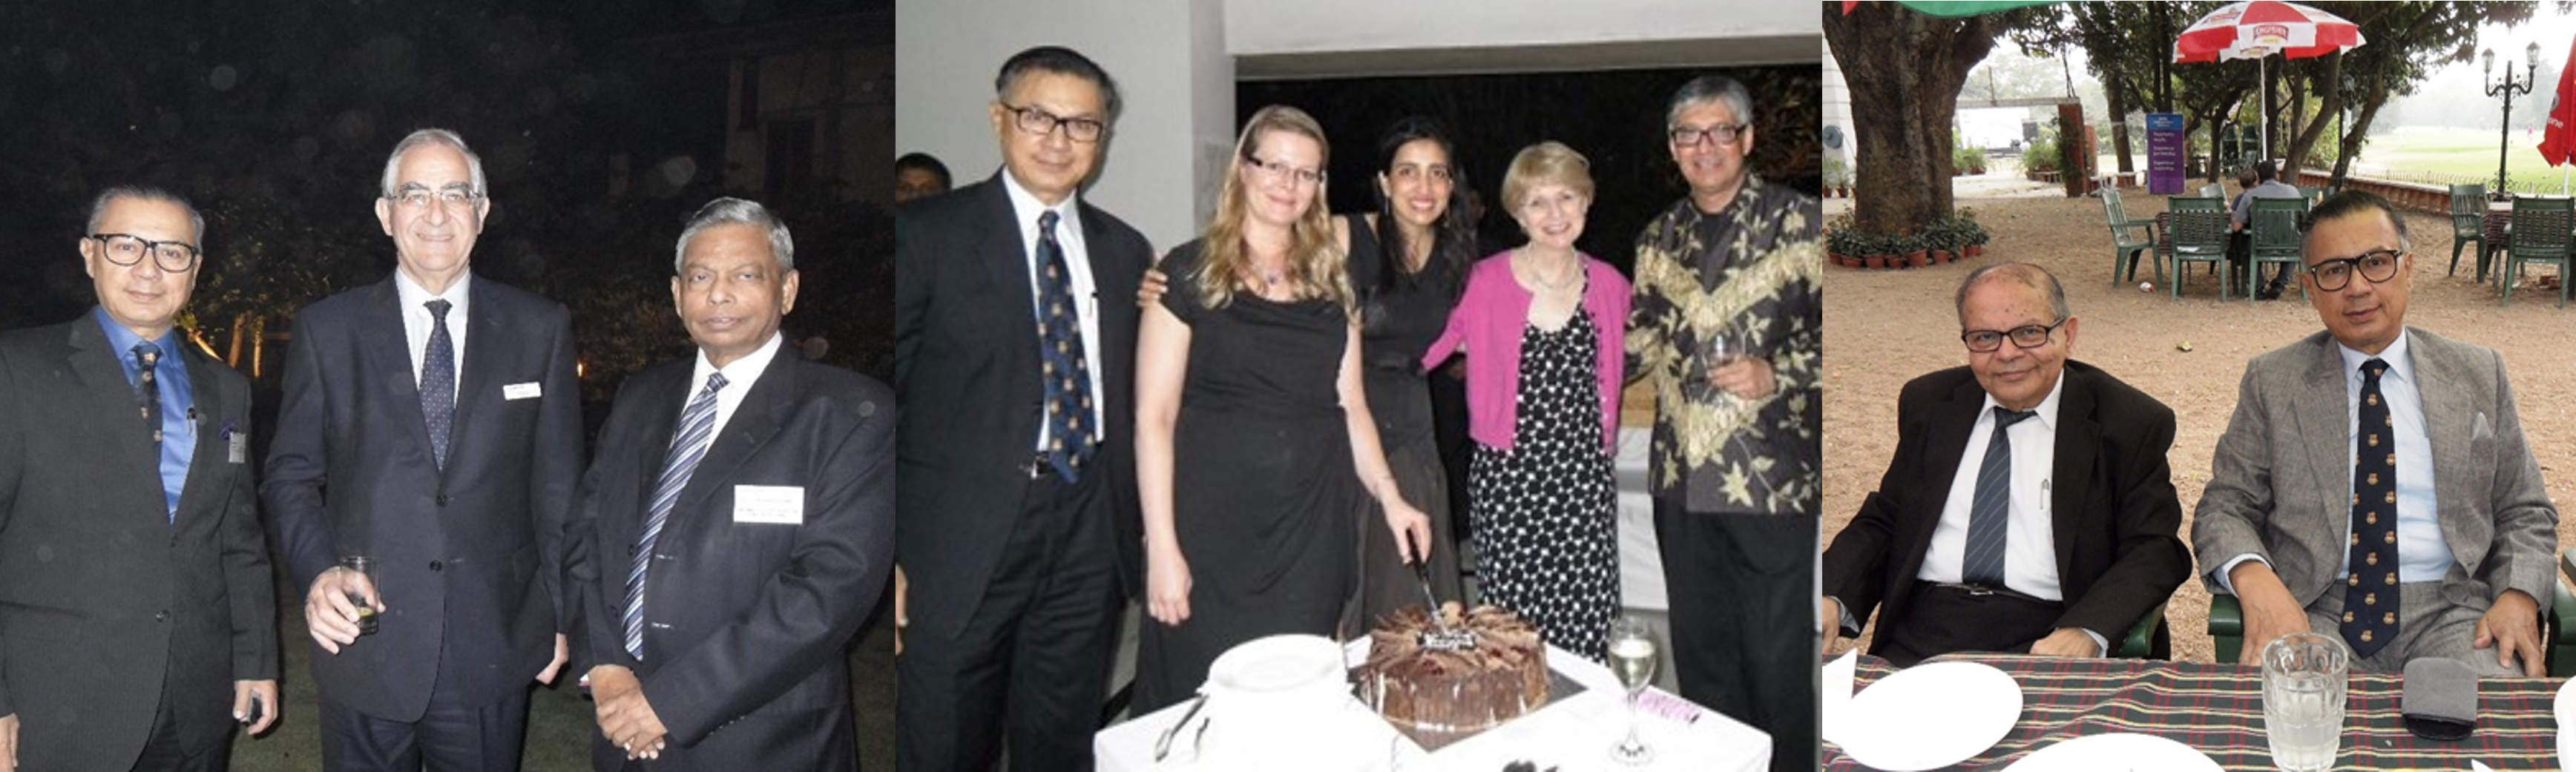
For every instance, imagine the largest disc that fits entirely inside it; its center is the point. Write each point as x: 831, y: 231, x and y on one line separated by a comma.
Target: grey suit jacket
x: 2281, y: 483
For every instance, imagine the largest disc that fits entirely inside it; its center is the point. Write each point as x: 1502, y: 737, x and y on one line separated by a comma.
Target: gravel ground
x: 1886, y: 327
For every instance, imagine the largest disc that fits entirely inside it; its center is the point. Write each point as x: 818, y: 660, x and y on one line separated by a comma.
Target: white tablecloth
x: 1641, y: 566
x: 1574, y: 733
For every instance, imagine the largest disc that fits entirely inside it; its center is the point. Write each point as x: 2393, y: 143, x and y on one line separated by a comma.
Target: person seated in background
x: 2242, y: 213
x: 2029, y: 506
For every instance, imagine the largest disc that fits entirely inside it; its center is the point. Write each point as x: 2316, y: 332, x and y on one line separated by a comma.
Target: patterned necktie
x: 438, y: 382
x: 1065, y: 370
x: 688, y: 444
x: 1990, y: 510
x: 145, y: 356
x: 2368, y: 623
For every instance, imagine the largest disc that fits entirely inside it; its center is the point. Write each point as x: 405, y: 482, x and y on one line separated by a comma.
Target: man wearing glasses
x: 2029, y: 507
x: 1726, y: 318
x: 430, y: 422
x: 2374, y: 482
x: 135, y: 598
x: 1017, y: 524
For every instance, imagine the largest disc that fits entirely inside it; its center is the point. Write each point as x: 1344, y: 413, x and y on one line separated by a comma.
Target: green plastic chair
x: 2542, y: 229
x: 2275, y: 222
x: 2469, y: 223
x: 2558, y: 646
x: 2197, y: 227
x: 2148, y: 639
x: 2125, y: 248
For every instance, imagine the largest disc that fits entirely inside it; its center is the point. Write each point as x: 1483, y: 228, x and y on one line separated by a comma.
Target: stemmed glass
x: 1632, y: 659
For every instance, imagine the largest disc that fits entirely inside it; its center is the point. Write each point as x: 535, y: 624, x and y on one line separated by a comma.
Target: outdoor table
x: 2218, y: 710
x: 2498, y: 232
x: 1572, y: 733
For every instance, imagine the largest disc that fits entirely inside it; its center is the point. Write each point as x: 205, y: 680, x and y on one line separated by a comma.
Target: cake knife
x: 1163, y: 744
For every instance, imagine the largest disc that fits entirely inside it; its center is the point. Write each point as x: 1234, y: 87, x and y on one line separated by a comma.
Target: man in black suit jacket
x: 1015, y: 540
x: 135, y: 603
x: 765, y: 552
x: 430, y: 421
x: 2083, y: 518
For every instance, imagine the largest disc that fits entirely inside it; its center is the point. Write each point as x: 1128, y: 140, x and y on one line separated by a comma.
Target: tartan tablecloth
x: 2218, y: 710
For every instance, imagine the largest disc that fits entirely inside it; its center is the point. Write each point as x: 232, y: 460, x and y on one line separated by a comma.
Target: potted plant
x: 1941, y: 238
x: 1916, y: 252
x: 1973, y: 236
x: 1837, y: 175
x: 1876, y: 250
x: 1842, y: 241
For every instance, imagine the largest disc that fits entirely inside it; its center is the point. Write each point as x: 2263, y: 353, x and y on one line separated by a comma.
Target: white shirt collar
x: 2400, y: 365
x: 740, y: 374
x: 413, y: 295
x: 2046, y: 410
x: 1025, y: 206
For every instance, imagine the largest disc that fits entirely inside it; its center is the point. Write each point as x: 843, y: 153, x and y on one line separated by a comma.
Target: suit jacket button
x: 435, y: 565
x: 161, y: 616
x: 442, y: 499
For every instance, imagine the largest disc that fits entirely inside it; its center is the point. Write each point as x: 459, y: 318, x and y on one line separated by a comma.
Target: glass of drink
x: 1632, y: 659
x: 2304, y: 676
x: 365, y: 568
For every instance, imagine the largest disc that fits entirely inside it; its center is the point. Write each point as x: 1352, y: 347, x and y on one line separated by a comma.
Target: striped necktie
x: 697, y: 430
x: 1991, y: 508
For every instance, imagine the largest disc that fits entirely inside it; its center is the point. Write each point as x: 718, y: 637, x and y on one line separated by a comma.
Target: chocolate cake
x: 1479, y: 669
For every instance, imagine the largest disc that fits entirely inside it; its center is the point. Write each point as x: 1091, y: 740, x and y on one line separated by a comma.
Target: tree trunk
x: 2330, y: 84
x: 2119, y: 125
x: 1905, y: 70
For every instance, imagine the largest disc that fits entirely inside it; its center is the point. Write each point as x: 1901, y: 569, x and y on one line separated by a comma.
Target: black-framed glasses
x: 2378, y: 266
x: 2025, y: 336
x: 417, y: 197
x: 1721, y: 133
x: 1041, y: 123
x: 127, y: 249
x: 1281, y: 169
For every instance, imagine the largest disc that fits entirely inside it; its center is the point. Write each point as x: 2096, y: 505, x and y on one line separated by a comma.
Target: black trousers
x: 447, y: 737
x: 1032, y: 666
x: 1743, y: 593
x: 1943, y: 618
x: 165, y: 752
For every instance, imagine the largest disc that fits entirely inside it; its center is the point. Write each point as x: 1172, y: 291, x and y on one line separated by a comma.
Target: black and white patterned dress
x: 1545, y: 511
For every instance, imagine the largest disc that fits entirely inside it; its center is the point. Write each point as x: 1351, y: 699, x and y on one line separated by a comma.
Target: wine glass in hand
x: 1632, y: 659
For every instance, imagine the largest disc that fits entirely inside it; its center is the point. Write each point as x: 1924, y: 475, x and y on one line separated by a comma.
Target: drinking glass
x: 365, y: 568
x: 2304, y: 675
x: 1632, y: 659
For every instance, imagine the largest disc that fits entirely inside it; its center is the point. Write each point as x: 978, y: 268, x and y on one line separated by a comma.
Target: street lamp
x: 2506, y: 89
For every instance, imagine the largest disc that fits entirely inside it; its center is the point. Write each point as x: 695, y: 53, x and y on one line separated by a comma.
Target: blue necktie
x: 2367, y: 623
x: 1991, y: 508
x: 697, y: 429
x: 438, y: 382
x: 1065, y: 370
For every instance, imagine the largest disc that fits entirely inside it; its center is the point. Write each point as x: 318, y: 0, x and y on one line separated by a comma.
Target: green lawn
x: 2444, y: 156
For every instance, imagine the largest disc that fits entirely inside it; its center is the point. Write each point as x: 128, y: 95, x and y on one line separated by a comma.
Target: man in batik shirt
x: 1727, y: 322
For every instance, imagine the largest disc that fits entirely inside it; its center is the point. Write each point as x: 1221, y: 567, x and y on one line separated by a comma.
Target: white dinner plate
x: 1276, y: 665
x: 2564, y: 708
x: 1930, y: 716
x: 2124, y: 750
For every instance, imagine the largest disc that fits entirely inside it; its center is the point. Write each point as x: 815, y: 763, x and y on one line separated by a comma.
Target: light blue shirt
x: 178, y: 401
x: 2422, y: 554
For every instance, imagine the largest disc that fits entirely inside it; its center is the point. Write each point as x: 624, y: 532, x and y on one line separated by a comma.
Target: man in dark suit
x: 2374, y: 482
x: 2029, y: 506
x: 1018, y: 503
x: 135, y: 603
x: 735, y: 528
x: 430, y: 421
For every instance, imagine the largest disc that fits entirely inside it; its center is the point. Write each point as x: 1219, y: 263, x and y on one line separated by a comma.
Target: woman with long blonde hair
x: 1254, y: 441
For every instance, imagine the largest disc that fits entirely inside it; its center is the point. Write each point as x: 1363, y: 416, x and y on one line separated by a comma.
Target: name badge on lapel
x: 236, y: 444
x: 769, y: 504
x: 529, y: 390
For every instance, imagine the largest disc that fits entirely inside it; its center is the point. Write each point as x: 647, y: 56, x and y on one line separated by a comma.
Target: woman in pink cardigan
x: 1542, y: 327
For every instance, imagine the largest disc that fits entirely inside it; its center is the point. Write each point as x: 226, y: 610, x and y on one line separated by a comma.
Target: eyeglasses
x: 418, y: 198
x: 2026, y: 336
x: 2377, y: 266
x: 127, y: 250
x: 1041, y: 123
x: 1280, y: 169
x: 1723, y: 134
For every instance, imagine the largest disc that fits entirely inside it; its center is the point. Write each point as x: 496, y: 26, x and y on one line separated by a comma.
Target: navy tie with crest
x: 2370, y: 589
x: 1063, y: 367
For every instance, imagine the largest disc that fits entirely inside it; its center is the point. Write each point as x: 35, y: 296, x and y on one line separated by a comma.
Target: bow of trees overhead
x: 1905, y: 70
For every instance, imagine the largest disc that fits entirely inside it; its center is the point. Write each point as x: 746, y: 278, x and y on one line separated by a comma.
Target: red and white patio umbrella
x: 2258, y: 29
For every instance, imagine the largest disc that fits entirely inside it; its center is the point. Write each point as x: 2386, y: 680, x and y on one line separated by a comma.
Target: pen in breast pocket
x: 2043, y: 495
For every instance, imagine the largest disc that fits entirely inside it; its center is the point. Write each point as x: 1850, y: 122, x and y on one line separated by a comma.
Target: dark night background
x: 1614, y: 118
x: 602, y: 126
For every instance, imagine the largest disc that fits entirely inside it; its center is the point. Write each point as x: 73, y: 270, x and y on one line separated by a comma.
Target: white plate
x: 2564, y: 708
x: 1276, y: 665
x: 2124, y: 750
x: 1930, y: 716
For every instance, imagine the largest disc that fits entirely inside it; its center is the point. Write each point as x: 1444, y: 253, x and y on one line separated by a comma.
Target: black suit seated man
x: 2029, y: 506
x: 137, y: 619
x: 735, y: 528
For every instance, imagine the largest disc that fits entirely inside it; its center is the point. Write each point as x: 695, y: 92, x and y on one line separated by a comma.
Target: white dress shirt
x: 417, y: 325
x: 738, y: 379
x: 1077, y: 263
x: 2030, y: 548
